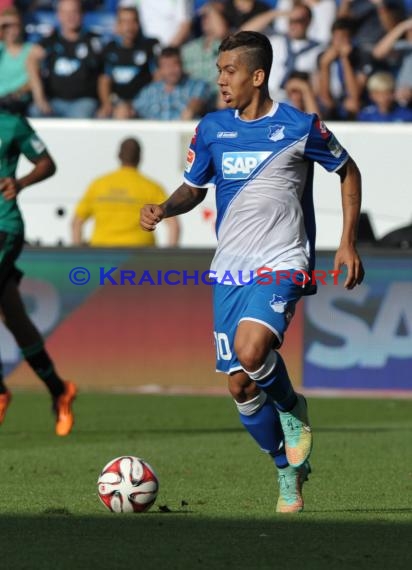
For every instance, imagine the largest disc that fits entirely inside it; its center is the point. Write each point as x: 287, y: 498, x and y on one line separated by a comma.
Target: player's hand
x: 9, y: 187
x: 150, y: 216
x: 347, y: 255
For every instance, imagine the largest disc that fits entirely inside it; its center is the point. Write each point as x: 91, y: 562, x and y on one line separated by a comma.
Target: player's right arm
x: 184, y: 199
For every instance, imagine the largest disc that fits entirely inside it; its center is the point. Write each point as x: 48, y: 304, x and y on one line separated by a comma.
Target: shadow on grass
x: 171, y: 541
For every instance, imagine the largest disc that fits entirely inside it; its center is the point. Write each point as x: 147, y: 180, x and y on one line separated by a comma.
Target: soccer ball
x: 127, y: 484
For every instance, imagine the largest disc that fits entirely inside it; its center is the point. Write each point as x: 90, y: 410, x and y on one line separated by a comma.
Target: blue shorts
x: 271, y: 304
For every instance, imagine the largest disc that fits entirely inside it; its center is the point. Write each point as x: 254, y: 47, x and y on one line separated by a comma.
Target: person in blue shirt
x: 384, y: 108
x: 261, y: 155
x: 175, y: 95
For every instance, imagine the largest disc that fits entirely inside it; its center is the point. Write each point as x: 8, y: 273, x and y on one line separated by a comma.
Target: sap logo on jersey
x: 240, y: 165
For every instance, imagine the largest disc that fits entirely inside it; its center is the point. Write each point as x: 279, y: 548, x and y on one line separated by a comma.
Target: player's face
x: 236, y: 82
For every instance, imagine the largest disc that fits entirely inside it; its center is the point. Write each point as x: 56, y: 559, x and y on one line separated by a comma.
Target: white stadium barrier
x: 85, y: 149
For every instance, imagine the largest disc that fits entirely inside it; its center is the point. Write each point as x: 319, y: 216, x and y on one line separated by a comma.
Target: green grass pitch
x: 219, y: 489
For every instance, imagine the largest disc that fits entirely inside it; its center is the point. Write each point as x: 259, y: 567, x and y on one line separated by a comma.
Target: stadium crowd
x: 140, y: 59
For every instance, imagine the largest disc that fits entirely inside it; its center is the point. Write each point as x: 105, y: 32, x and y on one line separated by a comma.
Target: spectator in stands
x: 239, y: 12
x: 404, y: 83
x: 396, y: 48
x: 395, y: 45
x: 200, y: 54
x: 169, y: 21
x: 276, y: 20
x: 373, y: 18
x: 381, y: 91
x: 64, y: 68
x: 6, y: 4
x: 293, y: 51
x: 341, y: 80
x: 300, y: 93
x: 114, y: 201
x: 175, y: 95
x: 15, y: 91
x: 129, y: 62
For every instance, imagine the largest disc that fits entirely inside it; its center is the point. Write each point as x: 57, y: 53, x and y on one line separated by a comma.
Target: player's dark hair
x: 257, y: 49
x: 130, y: 152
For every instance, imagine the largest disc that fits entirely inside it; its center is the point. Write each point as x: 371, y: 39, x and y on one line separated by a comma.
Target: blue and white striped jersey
x: 263, y: 171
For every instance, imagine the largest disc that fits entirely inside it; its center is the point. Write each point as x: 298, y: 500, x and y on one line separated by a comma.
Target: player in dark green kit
x: 17, y: 138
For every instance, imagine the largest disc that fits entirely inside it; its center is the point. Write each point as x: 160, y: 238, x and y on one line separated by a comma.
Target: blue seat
x: 39, y: 24
x: 100, y: 23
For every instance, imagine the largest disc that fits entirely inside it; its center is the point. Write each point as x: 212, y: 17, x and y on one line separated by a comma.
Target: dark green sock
x: 3, y: 388
x: 37, y: 357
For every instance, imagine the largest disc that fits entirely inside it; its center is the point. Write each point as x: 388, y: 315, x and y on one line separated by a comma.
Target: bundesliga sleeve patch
x: 191, y: 155
x: 335, y: 147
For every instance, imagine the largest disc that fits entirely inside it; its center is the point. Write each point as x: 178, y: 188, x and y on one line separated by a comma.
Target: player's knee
x: 237, y: 392
x: 260, y: 373
x: 241, y: 388
x: 251, y: 356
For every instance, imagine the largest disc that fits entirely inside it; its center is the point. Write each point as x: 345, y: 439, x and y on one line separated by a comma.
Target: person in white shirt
x: 169, y: 21
x: 294, y: 51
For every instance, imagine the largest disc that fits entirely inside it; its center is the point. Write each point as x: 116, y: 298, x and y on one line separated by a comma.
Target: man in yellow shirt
x: 114, y: 201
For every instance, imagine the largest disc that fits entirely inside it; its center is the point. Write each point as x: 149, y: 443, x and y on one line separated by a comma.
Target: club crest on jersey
x: 139, y: 57
x: 276, y: 133
x: 278, y: 303
x: 81, y: 51
x: 241, y: 165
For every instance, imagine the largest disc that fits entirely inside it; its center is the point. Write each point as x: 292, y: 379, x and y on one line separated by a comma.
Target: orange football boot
x: 4, y: 404
x: 62, y: 406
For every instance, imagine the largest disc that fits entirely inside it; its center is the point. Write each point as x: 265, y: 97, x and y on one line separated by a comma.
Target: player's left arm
x: 44, y: 167
x: 34, y: 149
x: 351, y: 190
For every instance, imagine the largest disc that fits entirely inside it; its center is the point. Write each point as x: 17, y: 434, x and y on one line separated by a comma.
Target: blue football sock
x: 261, y: 419
x: 280, y: 459
x: 273, y: 379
